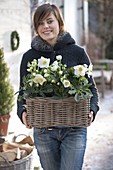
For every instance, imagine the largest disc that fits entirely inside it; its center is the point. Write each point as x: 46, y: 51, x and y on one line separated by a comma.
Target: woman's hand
x: 24, y: 115
x: 90, y: 117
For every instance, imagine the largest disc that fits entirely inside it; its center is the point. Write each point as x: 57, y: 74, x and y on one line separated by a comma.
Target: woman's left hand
x: 90, y: 117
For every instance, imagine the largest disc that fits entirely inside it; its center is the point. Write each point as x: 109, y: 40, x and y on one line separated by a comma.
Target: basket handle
x: 15, y: 137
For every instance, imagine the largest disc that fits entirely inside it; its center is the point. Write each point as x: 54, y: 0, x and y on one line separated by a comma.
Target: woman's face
x: 48, y: 29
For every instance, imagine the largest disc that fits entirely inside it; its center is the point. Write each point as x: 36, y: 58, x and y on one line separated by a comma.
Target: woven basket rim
x: 56, y: 99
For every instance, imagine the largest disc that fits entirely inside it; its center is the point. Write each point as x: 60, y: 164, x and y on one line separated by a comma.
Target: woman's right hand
x: 24, y: 115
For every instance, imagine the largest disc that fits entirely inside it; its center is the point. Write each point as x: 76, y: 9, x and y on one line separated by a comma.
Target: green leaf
x: 72, y: 91
x: 77, y: 97
x: 84, y: 96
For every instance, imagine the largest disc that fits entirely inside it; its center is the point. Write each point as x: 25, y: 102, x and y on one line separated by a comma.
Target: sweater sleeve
x: 94, y: 101
x: 21, y: 103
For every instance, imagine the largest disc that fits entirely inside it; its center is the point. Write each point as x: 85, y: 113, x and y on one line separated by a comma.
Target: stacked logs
x: 15, y: 150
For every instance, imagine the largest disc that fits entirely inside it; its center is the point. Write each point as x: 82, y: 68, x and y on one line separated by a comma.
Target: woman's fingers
x: 90, y: 117
x: 24, y: 115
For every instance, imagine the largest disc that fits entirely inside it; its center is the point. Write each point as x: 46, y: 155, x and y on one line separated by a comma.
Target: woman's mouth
x: 47, y: 32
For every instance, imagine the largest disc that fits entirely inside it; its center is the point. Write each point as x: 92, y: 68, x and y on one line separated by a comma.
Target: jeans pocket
x: 39, y: 131
x: 79, y: 129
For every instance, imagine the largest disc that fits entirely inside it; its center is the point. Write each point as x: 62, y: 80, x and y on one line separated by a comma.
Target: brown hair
x: 44, y: 11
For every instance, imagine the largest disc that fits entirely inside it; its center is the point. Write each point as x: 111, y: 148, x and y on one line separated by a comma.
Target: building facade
x: 15, y: 16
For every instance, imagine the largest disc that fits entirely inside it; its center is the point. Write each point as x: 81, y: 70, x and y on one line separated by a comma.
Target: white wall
x: 86, y: 21
x: 15, y: 15
x: 74, y: 19
x: 70, y: 16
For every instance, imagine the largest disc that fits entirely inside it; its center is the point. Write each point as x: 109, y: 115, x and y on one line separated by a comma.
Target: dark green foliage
x: 6, y: 89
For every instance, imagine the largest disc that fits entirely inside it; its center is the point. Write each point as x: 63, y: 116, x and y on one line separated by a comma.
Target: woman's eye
x: 50, y: 21
x: 40, y: 23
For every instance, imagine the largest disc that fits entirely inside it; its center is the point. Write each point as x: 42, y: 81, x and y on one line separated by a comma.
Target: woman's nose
x: 45, y: 24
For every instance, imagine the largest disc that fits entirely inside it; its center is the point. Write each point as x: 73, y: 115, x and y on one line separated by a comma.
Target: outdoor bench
x: 103, y: 78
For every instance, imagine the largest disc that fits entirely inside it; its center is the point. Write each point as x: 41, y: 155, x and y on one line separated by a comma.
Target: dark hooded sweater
x: 72, y: 55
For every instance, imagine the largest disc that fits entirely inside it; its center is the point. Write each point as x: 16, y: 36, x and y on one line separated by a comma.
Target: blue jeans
x: 61, y: 148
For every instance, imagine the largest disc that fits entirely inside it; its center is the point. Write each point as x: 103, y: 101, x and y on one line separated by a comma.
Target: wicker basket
x: 48, y: 112
x: 21, y: 164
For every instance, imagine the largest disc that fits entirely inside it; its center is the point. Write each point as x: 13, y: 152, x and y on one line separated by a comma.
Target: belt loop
x: 50, y: 128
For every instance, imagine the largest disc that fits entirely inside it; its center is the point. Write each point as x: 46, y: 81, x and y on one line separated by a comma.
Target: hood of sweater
x: 63, y: 40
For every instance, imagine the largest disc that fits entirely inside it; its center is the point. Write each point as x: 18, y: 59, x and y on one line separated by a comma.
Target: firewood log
x: 7, y: 156
x: 25, y: 147
x: 26, y: 140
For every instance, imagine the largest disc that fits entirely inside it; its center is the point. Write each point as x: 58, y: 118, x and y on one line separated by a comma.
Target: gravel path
x: 99, y: 152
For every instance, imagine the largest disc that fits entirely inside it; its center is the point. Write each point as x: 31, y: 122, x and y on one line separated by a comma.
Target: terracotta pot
x: 4, y: 121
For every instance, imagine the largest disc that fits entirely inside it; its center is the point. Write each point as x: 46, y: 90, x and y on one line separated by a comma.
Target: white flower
x: 54, y: 66
x: 90, y: 70
x: 60, y: 72
x: 55, y: 63
x: 90, y: 67
x: 45, y: 70
x: 66, y: 83
x: 43, y: 62
x: 80, y: 70
x: 53, y: 81
x: 29, y: 69
x: 85, y: 65
x: 31, y: 83
x: 58, y: 83
x: 34, y: 74
x: 46, y: 75
x: 58, y: 78
x: 28, y: 64
x: 39, y: 79
x: 59, y: 57
x: 34, y: 62
x: 63, y: 78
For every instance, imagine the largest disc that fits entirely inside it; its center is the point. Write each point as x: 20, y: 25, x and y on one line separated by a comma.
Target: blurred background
x: 90, y: 23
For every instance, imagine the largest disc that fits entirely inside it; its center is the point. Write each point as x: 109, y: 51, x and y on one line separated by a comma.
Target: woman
x: 58, y: 148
